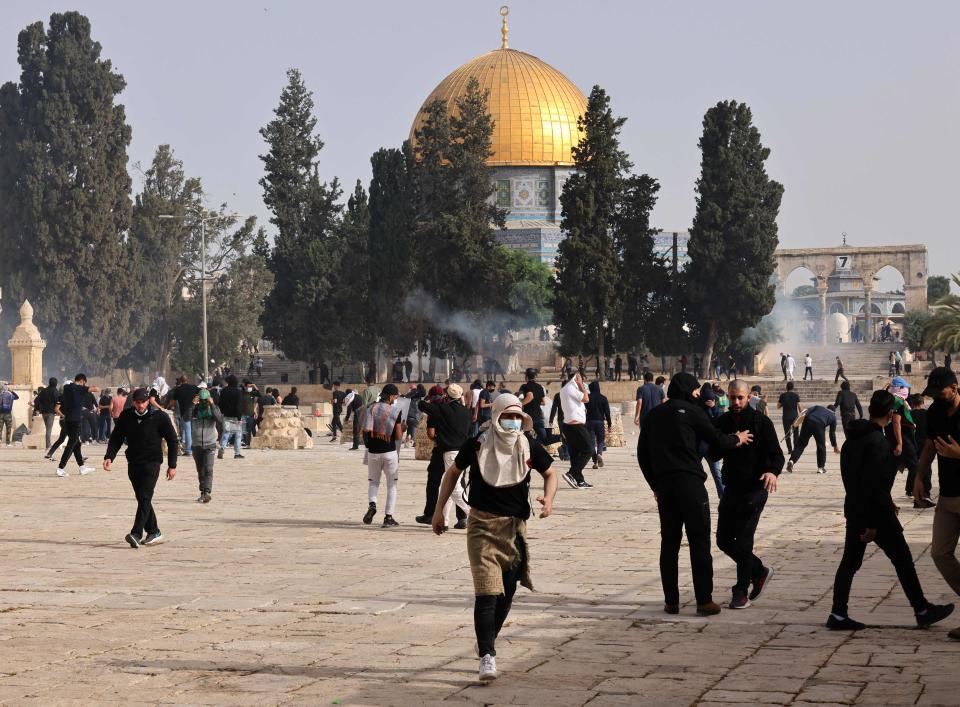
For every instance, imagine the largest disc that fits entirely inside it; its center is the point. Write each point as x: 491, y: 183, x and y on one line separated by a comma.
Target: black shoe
x: 933, y: 613
x: 845, y: 623
x: 371, y: 512
x: 220, y: 453
x: 134, y: 542
x: 925, y: 503
x: 239, y: 456
x: 424, y: 520
x: 571, y: 482
x: 600, y: 461
x: 760, y: 584
x: 584, y: 485
x: 205, y: 498
x: 389, y: 522
x: 671, y: 608
x: 460, y: 525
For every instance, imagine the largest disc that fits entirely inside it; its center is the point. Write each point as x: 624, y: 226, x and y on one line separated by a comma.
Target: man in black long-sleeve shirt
x: 143, y: 428
x: 869, y: 468
x: 848, y: 405
x: 749, y: 473
x: 448, y: 425
x: 669, y: 457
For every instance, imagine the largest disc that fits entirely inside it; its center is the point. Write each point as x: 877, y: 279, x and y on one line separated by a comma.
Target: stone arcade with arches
x: 847, y: 274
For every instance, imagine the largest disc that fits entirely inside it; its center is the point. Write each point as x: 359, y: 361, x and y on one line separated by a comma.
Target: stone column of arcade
x: 822, y: 291
x: 868, y: 312
x: 26, y: 366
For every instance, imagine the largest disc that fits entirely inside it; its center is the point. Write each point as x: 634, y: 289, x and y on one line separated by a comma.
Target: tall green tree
x: 306, y: 213
x: 531, y: 291
x: 456, y: 217
x: 942, y: 329
x: 164, y: 255
x: 938, y: 287
x: 734, y: 232
x: 65, y: 196
x: 641, y: 273
x: 585, y: 295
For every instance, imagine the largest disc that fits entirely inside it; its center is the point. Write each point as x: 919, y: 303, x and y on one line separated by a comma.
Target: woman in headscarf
x: 598, y: 413
x: 496, y: 466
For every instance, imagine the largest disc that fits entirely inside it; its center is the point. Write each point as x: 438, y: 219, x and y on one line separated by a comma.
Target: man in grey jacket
x: 206, y: 424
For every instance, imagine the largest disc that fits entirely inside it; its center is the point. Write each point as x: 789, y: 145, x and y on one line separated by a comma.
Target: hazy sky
x: 859, y: 102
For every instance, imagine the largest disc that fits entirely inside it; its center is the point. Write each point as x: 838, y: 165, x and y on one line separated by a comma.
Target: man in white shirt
x: 573, y: 399
x: 807, y: 366
x: 791, y: 366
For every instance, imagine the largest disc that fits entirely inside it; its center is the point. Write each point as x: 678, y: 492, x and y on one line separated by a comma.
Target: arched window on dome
x: 503, y: 193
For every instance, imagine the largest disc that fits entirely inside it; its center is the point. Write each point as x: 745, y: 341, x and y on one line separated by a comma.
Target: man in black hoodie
x: 670, y: 459
x: 143, y: 428
x: 868, y: 468
x: 749, y: 473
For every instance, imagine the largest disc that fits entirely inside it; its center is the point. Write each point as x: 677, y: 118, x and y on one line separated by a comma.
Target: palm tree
x: 942, y: 331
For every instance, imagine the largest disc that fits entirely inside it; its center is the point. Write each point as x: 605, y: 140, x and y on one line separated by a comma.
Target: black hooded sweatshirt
x: 868, y: 469
x: 672, y: 432
x: 744, y: 465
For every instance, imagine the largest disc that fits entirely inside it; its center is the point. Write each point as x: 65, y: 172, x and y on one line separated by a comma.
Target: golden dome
x: 534, y: 107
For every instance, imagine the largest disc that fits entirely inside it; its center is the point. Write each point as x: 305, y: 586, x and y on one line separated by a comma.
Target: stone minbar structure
x: 26, y: 364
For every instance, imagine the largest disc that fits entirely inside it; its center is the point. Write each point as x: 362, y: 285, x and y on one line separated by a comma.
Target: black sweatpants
x: 737, y: 518
x: 73, y: 444
x: 491, y: 610
x: 144, y: 478
x: 807, y: 430
x: 580, y: 446
x: 894, y: 545
x: 792, y: 435
x: 336, y: 425
x: 682, y: 503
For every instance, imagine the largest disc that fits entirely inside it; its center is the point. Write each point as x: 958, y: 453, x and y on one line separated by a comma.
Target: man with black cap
x: 448, y: 425
x: 531, y: 396
x: 670, y: 459
x: 943, y: 442
x: 143, y: 427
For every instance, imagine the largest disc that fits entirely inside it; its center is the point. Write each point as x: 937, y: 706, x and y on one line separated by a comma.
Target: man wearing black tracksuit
x: 869, y: 468
x: 749, y: 473
x: 143, y: 428
x: 670, y: 459
x: 448, y: 425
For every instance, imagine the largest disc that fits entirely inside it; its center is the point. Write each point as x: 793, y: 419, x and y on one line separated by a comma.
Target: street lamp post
x: 203, y: 285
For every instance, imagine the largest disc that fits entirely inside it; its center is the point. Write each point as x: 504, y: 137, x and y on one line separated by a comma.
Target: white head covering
x: 503, y: 454
x: 160, y: 385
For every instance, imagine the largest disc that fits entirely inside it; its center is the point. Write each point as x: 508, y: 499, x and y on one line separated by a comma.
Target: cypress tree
x: 306, y: 214
x: 65, y: 196
x: 734, y: 232
x: 588, y: 268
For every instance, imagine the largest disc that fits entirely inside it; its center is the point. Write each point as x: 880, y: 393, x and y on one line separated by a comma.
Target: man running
x: 839, y: 371
x: 498, y: 466
x: 815, y: 422
x: 670, y: 459
x: 143, y: 428
x: 869, y: 468
x: 573, y: 399
x: 70, y: 408
x: 749, y: 474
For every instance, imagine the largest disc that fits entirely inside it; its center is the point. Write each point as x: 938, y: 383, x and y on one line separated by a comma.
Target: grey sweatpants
x: 204, y: 458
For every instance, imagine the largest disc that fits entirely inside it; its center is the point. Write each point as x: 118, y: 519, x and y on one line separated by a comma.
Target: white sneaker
x: 488, y: 667
x: 84, y: 470
x: 62, y: 472
x: 821, y: 470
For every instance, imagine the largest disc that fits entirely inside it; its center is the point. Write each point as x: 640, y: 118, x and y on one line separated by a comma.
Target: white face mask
x: 249, y: 390
x: 511, y: 425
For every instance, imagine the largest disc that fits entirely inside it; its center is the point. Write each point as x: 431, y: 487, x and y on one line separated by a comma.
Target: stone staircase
x: 815, y: 391
x: 858, y: 360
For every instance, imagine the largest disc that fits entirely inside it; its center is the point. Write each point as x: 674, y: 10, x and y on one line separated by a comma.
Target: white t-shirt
x: 808, y: 362
x: 571, y: 402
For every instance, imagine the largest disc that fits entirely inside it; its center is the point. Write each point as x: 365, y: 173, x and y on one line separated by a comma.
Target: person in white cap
x: 496, y: 467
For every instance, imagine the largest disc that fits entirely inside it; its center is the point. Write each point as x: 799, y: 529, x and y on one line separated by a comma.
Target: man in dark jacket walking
x: 749, y: 474
x: 143, y: 428
x: 670, y: 459
x: 848, y: 405
x: 869, y: 468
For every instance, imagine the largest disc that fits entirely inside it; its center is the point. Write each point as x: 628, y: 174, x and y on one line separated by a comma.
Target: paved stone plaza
x: 276, y: 594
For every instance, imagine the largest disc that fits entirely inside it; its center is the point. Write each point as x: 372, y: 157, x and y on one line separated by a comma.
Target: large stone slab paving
x: 275, y: 593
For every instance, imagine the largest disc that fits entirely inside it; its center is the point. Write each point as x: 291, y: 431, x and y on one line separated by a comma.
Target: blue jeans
x: 186, y: 434
x: 237, y: 437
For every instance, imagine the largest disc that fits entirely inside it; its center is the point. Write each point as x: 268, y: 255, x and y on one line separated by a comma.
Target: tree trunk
x: 708, y: 352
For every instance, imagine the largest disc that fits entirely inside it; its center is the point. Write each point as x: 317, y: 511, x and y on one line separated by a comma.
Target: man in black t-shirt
x: 336, y: 399
x: 531, y: 396
x: 498, y: 464
x: 184, y: 393
x: 789, y: 402
x: 943, y: 442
